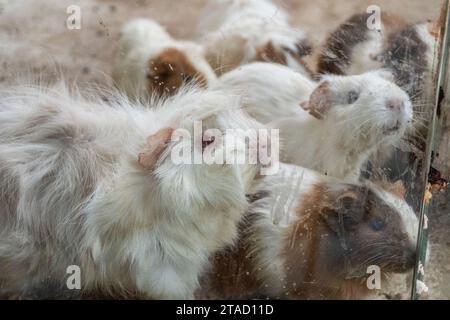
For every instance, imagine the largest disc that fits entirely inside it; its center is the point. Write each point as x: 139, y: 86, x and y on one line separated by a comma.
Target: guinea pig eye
x: 352, y: 97
x: 377, y: 224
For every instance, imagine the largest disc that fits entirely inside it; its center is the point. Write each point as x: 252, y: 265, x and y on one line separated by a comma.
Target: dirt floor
x: 34, y: 38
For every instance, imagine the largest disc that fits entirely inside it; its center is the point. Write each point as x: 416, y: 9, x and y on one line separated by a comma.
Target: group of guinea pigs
x: 90, y: 182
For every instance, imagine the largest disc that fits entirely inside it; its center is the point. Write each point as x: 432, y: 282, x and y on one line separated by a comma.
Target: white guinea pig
x: 236, y: 32
x: 91, y: 183
x: 313, y: 237
x: 148, y: 61
x: 353, y: 117
x: 343, y: 121
x: 407, y: 50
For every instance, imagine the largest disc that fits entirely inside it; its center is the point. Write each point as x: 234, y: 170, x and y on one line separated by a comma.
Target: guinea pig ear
x: 347, y: 209
x: 385, y: 74
x: 155, y: 146
x: 320, y: 101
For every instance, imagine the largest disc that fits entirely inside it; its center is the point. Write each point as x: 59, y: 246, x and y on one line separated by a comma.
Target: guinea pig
x: 307, y: 236
x: 354, y: 48
x: 94, y: 184
x: 407, y: 50
x: 236, y: 32
x: 346, y: 118
x: 148, y: 61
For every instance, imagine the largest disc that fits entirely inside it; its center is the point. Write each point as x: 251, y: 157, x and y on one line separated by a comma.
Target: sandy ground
x: 34, y: 38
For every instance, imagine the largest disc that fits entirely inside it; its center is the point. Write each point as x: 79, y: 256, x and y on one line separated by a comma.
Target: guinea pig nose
x: 395, y: 105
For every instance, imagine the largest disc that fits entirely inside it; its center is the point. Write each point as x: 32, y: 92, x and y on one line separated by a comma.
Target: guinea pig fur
x: 309, y: 236
x: 347, y: 118
x: 407, y: 50
x: 149, y: 61
x: 354, y: 48
x: 91, y: 183
x: 236, y: 32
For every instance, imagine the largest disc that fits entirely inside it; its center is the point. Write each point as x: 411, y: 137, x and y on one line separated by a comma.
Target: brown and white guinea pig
x: 343, y: 121
x: 93, y: 184
x: 308, y: 236
x: 407, y: 50
x: 149, y: 61
x: 236, y: 32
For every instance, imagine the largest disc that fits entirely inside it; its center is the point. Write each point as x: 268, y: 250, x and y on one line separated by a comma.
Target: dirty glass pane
x: 402, y: 170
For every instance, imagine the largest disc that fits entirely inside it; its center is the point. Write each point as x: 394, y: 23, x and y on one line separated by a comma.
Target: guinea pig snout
x: 398, y: 115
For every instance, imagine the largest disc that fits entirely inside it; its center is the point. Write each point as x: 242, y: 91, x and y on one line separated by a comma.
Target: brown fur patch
x: 233, y: 273
x: 336, y: 54
x: 306, y: 280
x: 268, y: 53
x: 170, y: 70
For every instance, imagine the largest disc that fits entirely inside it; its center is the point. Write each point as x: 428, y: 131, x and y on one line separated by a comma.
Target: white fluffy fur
x: 341, y: 142
x: 72, y: 193
x: 141, y: 39
x: 233, y: 30
x: 270, y: 91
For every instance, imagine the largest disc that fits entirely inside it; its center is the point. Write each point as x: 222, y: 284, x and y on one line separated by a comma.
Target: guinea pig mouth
x: 387, y: 130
